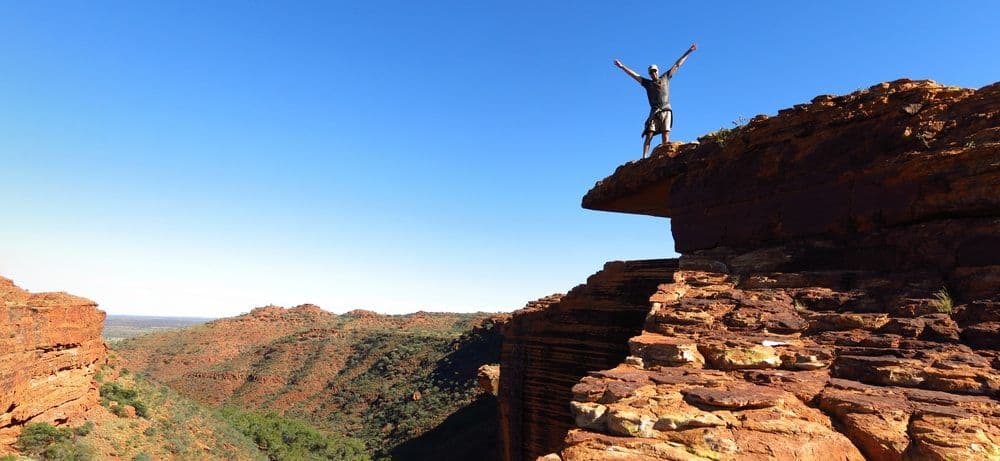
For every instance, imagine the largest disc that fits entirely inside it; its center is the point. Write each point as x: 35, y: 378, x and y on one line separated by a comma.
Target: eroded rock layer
x: 812, y: 365
x: 50, y: 349
x: 904, y: 153
x: 553, y: 342
x: 838, y: 297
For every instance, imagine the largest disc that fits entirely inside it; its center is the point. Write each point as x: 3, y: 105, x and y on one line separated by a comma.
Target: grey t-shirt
x: 657, y: 91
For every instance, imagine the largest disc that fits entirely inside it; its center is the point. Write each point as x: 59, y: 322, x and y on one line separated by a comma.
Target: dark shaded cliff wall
x: 549, y: 346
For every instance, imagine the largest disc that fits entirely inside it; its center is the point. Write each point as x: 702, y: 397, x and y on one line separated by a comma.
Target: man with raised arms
x: 661, y: 116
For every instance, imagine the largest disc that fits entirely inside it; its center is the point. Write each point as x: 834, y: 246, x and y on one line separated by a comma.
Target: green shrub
x: 720, y: 136
x: 724, y: 134
x: 114, y: 392
x: 289, y: 439
x: 85, y: 429
x: 35, y: 437
x: 142, y: 457
x: 942, y: 301
x: 141, y: 409
x: 47, y: 442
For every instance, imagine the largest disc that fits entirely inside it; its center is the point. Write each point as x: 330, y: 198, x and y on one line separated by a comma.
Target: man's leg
x: 668, y: 123
x: 645, y: 144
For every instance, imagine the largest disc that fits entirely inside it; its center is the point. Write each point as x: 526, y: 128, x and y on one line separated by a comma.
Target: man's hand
x: 677, y: 65
x: 628, y: 71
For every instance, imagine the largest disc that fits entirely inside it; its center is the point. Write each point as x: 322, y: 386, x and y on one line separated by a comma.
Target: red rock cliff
x: 553, y: 342
x: 50, y: 349
x: 838, y: 293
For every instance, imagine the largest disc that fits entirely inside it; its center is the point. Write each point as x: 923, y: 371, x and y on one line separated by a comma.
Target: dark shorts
x: 659, y: 121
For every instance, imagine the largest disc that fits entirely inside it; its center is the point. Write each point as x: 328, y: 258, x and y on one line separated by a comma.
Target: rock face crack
x: 553, y: 342
x: 841, y: 427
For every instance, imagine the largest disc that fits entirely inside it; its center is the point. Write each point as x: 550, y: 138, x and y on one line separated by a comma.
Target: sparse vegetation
x: 175, y: 427
x: 84, y: 429
x: 113, y: 392
x: 942, y: 301
x: 724, y: 134
x: 290, y: 439
x: 47, y: 442
x: 397, y: 367
x: 720, y: 136
x: 394, y: 378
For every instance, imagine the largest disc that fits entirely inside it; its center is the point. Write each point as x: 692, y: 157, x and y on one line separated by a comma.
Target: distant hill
x: 383, y: 379
x: 119, y: 327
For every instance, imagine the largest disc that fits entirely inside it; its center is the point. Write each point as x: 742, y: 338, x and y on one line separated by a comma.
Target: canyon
x: 837, y: 297
x: 404, y: 384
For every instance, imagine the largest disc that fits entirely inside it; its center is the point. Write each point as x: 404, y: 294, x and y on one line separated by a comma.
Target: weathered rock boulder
x: 50, y: 349
x: 838, y: 293
x: 488, y: 378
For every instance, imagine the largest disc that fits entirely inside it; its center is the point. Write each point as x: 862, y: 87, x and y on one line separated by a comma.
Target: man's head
x: 654, y: 71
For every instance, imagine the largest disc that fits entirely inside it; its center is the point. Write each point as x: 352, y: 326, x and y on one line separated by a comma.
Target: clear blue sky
x: 202, y: 158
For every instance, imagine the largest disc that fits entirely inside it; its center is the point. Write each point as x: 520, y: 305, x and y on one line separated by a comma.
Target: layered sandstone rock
x: 50, y: 349
x: 896, y: 153
x: 553, y: 342
x: 838, y: 296
x: 772, y: 366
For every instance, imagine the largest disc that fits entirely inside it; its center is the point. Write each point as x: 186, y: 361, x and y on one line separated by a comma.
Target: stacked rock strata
x: 838, y: 293
x: 50, y: 350
x: 555, y: 341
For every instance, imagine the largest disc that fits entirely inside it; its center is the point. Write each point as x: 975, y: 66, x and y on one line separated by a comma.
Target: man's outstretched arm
x: 680, y: 61
x: 630, y: 72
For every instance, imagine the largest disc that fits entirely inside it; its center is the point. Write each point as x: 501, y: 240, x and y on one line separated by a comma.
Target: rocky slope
x: 837, y: 297
x: 172, y: 427
x: 50, y: 349
x: 384, y: 379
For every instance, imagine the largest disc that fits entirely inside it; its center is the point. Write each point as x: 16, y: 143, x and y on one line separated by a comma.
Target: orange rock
x: 50, y: 349
x: 488, y: 378
x: 552, y: 343
x: 805, y: 318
